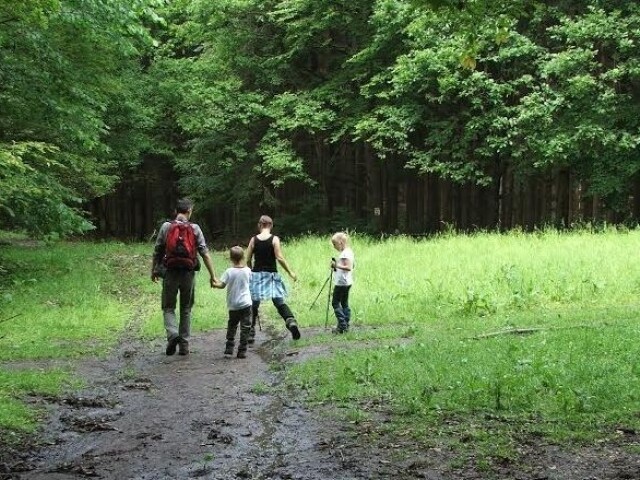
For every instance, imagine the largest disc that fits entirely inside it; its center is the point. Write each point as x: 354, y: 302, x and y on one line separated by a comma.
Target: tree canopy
x: 250, y: 89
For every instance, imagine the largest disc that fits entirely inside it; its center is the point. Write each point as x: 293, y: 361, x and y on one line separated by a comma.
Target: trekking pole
x: 321, y: 290
x: 326, y: 315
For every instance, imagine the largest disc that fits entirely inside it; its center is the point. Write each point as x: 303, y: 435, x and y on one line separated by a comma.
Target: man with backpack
x: 175, y: 259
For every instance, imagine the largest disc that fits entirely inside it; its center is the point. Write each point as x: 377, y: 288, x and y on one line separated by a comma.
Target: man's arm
x: 158, y: 252
x: 209, y: 264
x: 203, y: 250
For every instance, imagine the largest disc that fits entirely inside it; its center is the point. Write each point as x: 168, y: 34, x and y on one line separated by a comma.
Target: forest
x: 449, y: 129
x: 398, y: 116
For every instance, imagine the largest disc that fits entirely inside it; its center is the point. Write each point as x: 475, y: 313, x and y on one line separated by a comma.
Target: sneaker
x: 171, y: 345
x: 292, y: 326
x: 242, y: 354
x: 183, y: 348
x: 228, y: 351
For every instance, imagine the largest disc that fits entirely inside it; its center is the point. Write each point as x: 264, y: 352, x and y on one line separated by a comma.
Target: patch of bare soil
x: 149, y: 416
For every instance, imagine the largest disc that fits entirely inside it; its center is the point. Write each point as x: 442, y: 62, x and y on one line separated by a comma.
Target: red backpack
x: 181, y: 252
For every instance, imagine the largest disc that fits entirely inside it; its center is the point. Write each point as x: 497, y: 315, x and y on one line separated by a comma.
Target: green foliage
x: 71, y: 105
x: 520, y: 84
x: 236, y: 78
x: 463, y: 90
x: 36, y: 189
x: 270, y: 92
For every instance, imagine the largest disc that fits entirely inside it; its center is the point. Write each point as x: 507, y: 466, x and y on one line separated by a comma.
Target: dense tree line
x: 248, y: 98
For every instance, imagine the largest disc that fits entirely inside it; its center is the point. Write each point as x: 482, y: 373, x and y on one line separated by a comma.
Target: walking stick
x: 326, y: 316
x: 321, y: 290
x: 327, y: 281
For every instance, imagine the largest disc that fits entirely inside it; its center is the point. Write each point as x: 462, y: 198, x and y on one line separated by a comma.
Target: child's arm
x: 344, y: 264
x: 222, y: 281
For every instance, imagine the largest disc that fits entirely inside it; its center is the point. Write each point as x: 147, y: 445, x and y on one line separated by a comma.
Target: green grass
x: 65, y: 301
x: 73, y: 299
x: 421, y: 308
x: 475, y: 276
x: 61, y: 301
x: 16, y: 416
x: 575, y: 377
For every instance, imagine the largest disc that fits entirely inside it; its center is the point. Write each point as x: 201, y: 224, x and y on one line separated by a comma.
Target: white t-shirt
x: 236, y: 279
x: 344, y: 277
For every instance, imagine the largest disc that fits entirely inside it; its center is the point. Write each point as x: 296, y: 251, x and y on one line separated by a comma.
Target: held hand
x: 294, y: 277
x: 213, y: 281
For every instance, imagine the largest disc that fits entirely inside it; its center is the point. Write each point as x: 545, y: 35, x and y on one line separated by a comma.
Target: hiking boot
x: 292, y: 326
x: 228, y: 351
x: 337, y: 331
x: 183, y: 348
x: 171, y: 345
x: 242, y: 354
x: 251, y: 339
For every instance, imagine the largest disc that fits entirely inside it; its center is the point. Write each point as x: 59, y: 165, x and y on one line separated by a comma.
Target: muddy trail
x: 145, y: 415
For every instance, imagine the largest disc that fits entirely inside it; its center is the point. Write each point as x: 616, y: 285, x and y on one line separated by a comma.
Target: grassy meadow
x: 485, y: 338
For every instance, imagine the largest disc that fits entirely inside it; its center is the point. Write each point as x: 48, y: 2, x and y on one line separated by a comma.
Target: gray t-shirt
x: 236, y: 279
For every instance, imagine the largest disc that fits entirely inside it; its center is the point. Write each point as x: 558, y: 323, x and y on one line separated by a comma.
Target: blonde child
x: 342, y: 280
x: 236, y: 279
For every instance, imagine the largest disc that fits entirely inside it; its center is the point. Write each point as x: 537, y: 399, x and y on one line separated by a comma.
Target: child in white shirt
x: 342, y: 280
x: 236, y: 279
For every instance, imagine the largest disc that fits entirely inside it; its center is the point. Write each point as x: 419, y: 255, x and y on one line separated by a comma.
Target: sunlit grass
x: 402, y: 280
x: 434, y: 315
x: 16, y: 416
x: 549, y: 376
x: 64, y: 300
x: 572, y: 373
x: 60, y: 301
x: 14, y: 384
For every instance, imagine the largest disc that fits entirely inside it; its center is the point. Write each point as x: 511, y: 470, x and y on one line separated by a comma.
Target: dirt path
x: 148, y: 416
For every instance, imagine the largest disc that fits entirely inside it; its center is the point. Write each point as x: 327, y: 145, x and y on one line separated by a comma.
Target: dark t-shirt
x: 264, y: 256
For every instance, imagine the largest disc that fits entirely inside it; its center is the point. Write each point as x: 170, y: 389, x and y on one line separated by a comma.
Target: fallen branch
x: 10, y: 318
x: 525, y: 331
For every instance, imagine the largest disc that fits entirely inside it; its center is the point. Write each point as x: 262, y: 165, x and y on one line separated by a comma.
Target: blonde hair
x: 236, y: 254
x: 340, y: 237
